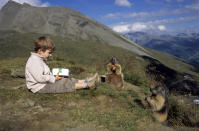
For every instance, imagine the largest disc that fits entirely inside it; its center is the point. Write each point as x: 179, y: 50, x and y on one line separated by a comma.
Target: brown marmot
x: 159, y: 103
x: 114, y: 74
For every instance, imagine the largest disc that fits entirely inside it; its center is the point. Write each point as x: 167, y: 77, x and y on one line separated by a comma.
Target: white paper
x: 61, y: 71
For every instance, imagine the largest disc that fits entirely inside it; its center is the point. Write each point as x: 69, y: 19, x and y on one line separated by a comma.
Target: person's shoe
x: 94, y: 81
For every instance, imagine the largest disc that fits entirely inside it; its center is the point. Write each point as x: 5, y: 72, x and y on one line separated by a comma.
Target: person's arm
x: 36, y: 69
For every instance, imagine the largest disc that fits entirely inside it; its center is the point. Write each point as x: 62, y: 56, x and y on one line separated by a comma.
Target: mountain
x: 85, y: 46
x: 184, y: 46
x: 61, y: 21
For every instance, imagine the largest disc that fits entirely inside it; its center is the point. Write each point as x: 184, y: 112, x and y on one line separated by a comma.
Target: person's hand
x: 58, y: 77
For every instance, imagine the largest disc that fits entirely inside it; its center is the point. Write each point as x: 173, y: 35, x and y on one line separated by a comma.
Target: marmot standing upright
x: 159, y: 103
x: 114, y: 74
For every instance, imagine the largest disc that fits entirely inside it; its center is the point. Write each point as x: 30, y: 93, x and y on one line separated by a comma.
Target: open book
x: 61, y: 71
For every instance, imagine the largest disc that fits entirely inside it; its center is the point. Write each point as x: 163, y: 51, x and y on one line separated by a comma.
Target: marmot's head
x: 114, y: 60
x: 158, y: 90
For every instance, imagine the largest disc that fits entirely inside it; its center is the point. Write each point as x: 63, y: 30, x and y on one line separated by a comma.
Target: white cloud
x: 173, y: 21
x: 123, y: 3
x: 152, y: 26
x: 189, y: 9
x: 143, y: 15
x: 121, y: 28
x: 194, y: 6
x: 156, y: 21
x: 138, y: 26
x: 161, y: 27
x: 31, y: 2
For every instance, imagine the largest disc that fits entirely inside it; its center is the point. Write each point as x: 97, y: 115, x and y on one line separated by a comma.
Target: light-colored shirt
x: 37, y: 73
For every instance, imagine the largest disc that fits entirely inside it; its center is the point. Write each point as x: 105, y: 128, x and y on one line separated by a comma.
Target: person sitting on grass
x: 39, y: 78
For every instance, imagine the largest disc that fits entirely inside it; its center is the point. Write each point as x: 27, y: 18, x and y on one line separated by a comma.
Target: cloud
x: 138, y: 26
x: 194, y: 6
x: 161, y: 27
x: 189, y: 29
x: 176, y: 0
x: 163, y: 2
x: 123, y: 3
x: 173, y: 21
x: 152, y: 26
x: 162, y: 21
x: 121, y: 28
x: 157, y: 26
x: 31, y: 2
x: 143, y: 15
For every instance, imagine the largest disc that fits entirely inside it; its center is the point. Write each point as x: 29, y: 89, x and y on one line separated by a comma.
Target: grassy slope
x: 174, y: 62
x: 103, y: 109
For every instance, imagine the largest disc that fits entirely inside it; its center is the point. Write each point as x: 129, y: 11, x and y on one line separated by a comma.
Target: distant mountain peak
x: 11, y: 1
x: 10, y: 4
x: 26, y: 4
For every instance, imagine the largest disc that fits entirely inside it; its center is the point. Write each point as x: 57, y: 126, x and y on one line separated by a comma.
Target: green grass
x: 133, y: 78
x: 174, y: 63
x: 105, y: 106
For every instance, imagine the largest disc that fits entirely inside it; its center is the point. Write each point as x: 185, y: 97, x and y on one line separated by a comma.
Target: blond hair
x: 44, y: 43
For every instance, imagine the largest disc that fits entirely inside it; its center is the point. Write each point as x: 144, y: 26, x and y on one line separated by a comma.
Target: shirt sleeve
x: 37, y: 71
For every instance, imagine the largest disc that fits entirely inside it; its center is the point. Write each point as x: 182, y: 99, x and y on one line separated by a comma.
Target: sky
x: 123, y: 16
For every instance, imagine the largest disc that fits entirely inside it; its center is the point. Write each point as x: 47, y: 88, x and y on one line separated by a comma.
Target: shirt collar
x: 37, y: 55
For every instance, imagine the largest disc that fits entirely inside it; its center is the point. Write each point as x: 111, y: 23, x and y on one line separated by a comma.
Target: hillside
x: 104, y: 108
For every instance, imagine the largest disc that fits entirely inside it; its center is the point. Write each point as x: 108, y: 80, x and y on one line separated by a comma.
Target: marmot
x: 114, y: 74
x: 159, y: 103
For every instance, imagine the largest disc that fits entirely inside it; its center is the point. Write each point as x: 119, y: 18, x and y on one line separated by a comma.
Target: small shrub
x: 178, y: 114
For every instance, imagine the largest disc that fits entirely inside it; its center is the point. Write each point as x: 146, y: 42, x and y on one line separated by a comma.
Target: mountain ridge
x: 64, y: 22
